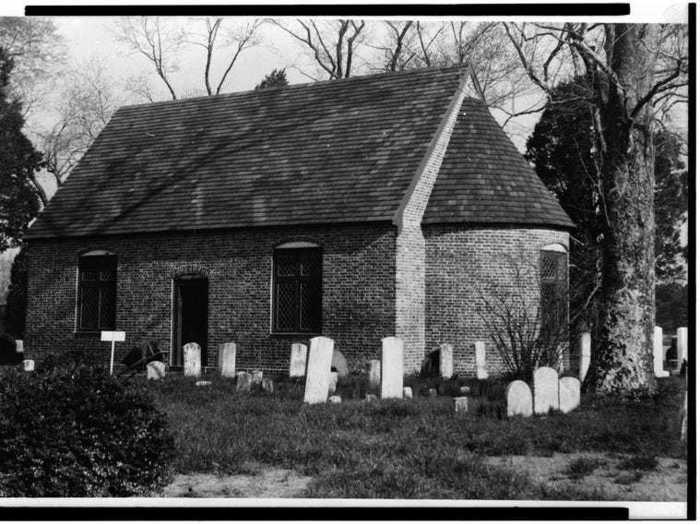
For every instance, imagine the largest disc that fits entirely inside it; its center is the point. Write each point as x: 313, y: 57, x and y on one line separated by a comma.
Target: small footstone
x: 202, y: 383
x: 432, y: 392
x: 461, y: 404
x: 318, y: 370
x: 370, y: 397
x: 243, y: 381
x: 155, y: 370
x: 268, y: 385
x: 407, y: 392
x: 464, y: 389
x: 518, y: 399
x: 257, y: 377
x: 333, y: 383
x: 334, y: 399
x: 28, y: 365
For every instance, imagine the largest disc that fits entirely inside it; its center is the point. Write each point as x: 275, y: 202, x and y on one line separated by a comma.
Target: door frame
x: 176, y: 318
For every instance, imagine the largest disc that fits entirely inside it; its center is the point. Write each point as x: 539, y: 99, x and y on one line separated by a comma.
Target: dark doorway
x: 190, y: 316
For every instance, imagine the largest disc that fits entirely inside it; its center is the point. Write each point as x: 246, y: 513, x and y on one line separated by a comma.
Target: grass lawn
x: 410, y: 449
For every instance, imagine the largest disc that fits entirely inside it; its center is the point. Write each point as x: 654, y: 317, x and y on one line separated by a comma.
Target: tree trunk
x: 625, y: 352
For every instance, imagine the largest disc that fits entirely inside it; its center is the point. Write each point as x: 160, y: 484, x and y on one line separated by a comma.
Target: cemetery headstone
x: 375, y: 373
x: 333, y: 383
x: 569, y: 394
x: 480, y: 350
x: 446, y: 363
x: 392, y: 368
x: 227, y: 359
x: 681, y: 346
x: 334, y: 399
x: 659, y: 353
x: 155, y: 370
x: 460, y: 404
x: 193, y: 360
x: 19, y: 346
x: 584, y: 355
x: 297, y: 360
x: 243, y: 382
x: 256, y: 377
x: 407, y: 392
x: 268, y: 385
x: 318, y: 372
x: 28, y: 365
x: 518, y: 399
x: 339, y: 363
x: 546, y: 390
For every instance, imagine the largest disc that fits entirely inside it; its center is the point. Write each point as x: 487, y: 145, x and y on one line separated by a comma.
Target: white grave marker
x: 297, y: 360
x: 155, y: 370
x: 193, y: 360
x: 392, y: 368
x: 19, y: 346
x: 114, y: 336
x: 480, y: 350
x: 407, y: 392
x: 681, y: 346
x: 318, y: 373
x: 28, y: 365
x: 584, y: 355
x: 518, y: 399
x: 227, y: 359
x: 446, y: 361
x: 659, y: 353
x: 546, y: 390
x: 569, y: 394
x: 375, y: 373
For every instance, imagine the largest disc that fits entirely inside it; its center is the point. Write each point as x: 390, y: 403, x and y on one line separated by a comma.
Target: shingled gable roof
x: 327, y: 152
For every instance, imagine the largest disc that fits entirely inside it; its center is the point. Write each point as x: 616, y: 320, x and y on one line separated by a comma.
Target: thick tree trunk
x: 625, y: 353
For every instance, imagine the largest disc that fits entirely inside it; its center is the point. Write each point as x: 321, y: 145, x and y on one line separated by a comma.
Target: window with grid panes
x: 97, y: 292
x: 296, y: 290
x: 554, y: 272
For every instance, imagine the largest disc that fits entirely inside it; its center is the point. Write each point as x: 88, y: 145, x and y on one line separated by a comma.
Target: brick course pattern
x: 464, y: 265
x: 358, y: 290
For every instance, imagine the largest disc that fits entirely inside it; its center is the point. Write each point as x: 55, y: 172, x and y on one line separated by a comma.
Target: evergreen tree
x: 277, y: 78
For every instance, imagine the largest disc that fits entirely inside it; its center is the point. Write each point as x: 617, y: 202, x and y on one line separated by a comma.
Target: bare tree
x: 332, y: 45
x: 638, y: 72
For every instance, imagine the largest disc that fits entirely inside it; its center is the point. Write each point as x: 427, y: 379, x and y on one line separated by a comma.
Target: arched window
x: 554, y: 285
x: 296, y: 288
x: 97, y: 291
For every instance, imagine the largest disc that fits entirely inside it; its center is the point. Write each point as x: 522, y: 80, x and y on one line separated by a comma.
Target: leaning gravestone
x: 392, y: 368
x: 584, y: 355
x: 659, y: 353
x: 518, y: 399
x: 480, y: 350
x: 155, y: 370
x: 446, y: 363
x: 227, y: 359
x: 193, y: 360
x: 243, y: 381
x: 297, y: 360
x: 318, y: 372
x: 375, y: 373
x: 546, y: 390
x: 569, y: 394
x: 339, y: 363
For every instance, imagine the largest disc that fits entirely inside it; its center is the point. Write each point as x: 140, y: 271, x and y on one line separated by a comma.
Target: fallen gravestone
x: 375, y: 373
x: 407, y: 392
x: 202, y: 383
x: 339, y: 363
x: 392, y: 368
x: 546, y: 381
x: 318, y: 371
x: 297, y: 360
x: 518, y: 399
x: 480, y: 350
x: 193, y: 360
x: 243, y: 382
x: 446, y: 363
x: 584, y: 355
x: 155, y: 370
x: 460, y: 404
x: 227, y: 359
x: 268, y: 385
x: 333, y: 383
x: 569, y: 394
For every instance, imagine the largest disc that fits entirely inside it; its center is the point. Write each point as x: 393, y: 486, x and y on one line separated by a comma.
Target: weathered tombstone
x: 546, y: 389
x: 155, y: 370
x: 392, y: 368
x: 480, y: 350
x: 334, y: 399
x: 339, y: 363
x: 659, y: 353
x: 28, y: 365
x: 227, y: 359
x: 268, y: 385
x: 193, y: 360
x: 584, y: 355
x: 333, y: 383
x: 370, y: 397
x: 256, y: 377
x: 460, y: 404
x: 407, y: 392
x: 318, y: 372
x: 243, y: 381
x: 375, y: 373
x: 569, y: 394
x: 681, y: 346
x: 297, y: 360
x: 518, y: 399
x: 446, y: 363
x: 19, y: 346
x: 432, y: 392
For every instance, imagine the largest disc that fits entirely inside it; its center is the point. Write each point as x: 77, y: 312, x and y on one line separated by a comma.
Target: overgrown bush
x: 72, y: 430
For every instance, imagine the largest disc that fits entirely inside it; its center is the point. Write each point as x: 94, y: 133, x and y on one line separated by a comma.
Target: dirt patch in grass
x: 262, y: 482
x: 606, y: 479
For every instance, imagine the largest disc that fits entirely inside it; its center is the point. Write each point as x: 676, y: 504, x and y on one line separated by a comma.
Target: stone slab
x: 318, y: 370
x: 202, y: 383
x: 584, y: 355
x: 392, y: 368
x: 193, y: 360
x: 518, y: 399
x: 227, y: 359
x: 375, y: 373
x: 546, y: 395
x: 569, y: 394
x: 446, y: 361
x: 480, y: 351
x: 297, y: 360
x: 155, y: 370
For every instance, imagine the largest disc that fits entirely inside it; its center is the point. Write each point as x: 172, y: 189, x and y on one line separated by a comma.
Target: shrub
x: 639, y: 462
x: 75, y: 431
x: 582, y: 467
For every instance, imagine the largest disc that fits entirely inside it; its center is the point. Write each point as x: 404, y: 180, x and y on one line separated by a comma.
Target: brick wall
x: 465, y: 265
x: 358, y: 290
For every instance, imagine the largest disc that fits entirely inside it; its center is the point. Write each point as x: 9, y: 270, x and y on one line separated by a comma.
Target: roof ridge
x: 315, y: 83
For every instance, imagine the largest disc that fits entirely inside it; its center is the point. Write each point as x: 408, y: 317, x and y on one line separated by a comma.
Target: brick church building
x: 355, y: 209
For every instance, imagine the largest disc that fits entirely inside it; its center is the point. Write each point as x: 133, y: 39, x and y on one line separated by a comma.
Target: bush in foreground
x: 72, y: 430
